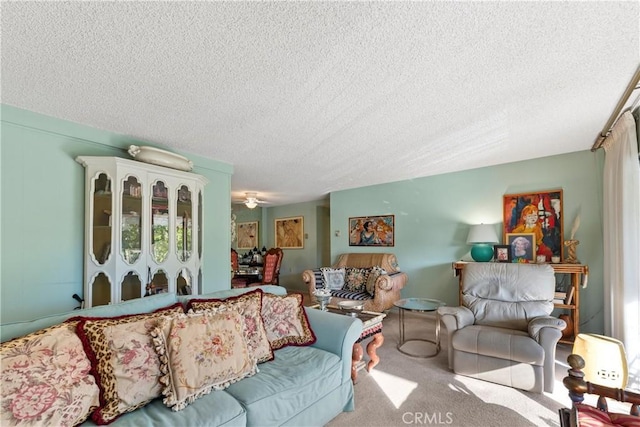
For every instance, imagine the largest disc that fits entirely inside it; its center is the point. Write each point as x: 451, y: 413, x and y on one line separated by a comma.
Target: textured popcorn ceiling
x: 305, y: 98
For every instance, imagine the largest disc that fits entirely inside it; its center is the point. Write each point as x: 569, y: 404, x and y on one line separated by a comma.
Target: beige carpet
x: 404, y: 390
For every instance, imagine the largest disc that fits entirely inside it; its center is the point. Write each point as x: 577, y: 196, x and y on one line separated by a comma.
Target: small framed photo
x: 522, y: 247
x: 502, y: 253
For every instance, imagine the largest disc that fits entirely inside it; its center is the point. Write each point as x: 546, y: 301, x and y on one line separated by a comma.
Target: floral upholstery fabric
x: 333, y: 278
x: 123, y: 360
x: 45, y: 379
x: 201, y: 352
x: 356, y: 279
x: 589, y: 416
x: 371, y: 279
x: 286, y: 321
x: 249, y: 305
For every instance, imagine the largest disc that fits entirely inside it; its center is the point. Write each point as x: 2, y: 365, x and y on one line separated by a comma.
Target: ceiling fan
x: 251, y: 200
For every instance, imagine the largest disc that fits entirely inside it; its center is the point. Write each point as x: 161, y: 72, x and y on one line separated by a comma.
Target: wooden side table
x: 371, y: 328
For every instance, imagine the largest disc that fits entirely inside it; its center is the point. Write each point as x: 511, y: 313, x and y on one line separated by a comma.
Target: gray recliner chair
x: 503, y: 332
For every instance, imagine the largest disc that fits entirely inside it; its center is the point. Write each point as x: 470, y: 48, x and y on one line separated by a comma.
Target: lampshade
x: 251, y: 203
x: 481, y: 236
x: 482, y: 233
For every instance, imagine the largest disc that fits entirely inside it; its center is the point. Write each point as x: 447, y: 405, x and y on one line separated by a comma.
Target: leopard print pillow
x: 123, y: 360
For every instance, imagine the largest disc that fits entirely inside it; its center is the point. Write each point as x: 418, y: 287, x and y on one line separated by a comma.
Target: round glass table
x: 420, y: 305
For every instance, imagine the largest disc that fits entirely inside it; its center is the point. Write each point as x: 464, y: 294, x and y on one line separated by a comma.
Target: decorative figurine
x: 571, y: 246
x: 572, y: 243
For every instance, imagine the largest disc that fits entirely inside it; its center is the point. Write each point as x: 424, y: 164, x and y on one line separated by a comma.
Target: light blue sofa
x: 302, y: 386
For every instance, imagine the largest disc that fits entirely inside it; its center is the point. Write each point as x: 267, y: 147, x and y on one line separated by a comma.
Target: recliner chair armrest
x: 537, y: 324
x: 547, y: 331
x: 455, y: 318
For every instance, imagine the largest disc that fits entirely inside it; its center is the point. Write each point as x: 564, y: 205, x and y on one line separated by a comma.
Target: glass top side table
x: 420, y: 305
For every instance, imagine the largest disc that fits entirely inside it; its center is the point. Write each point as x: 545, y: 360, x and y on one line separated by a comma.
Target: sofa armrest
x: 335, y: 333
x: 391, y: 282
x: 387, y: 291
x: 310, y: 277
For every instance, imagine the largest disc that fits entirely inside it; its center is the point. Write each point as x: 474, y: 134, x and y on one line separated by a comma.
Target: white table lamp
x: 482, y: 237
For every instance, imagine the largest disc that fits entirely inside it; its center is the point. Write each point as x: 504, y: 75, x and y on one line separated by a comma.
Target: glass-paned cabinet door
x: 101, y: 225
x: 130, y: 286
x: 159, y: 283
x: 184, y: 224
x: 184, y: 282
x: 131, y: 220
x: 159, y: 222
x: 100, y: 290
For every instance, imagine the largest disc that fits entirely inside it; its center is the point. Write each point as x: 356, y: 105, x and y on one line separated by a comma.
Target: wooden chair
x: 271, y: 263
x: 234, y: 260
x: 236, y: 282
x: 578, y: 387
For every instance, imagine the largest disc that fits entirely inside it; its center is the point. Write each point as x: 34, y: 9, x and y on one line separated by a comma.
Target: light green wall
x: 42, y: 212
x: 433, y: 215
x: 295, y: 261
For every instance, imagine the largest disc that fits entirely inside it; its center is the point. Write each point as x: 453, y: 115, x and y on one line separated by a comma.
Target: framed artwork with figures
x: 247, y: 235
x: 537, y: 212
x: 290, y: 232
x: 372, y: 230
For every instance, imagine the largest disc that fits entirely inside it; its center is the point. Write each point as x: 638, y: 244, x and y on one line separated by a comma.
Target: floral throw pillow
x: 201, y: 352
x: 286, y: 321
x: 123, y: 360
x: 589, y: 416
x: 45, y: 379
x: 373, y: 277
x: 356, y: 279
x: 333, y: 278
x: 249, y: 305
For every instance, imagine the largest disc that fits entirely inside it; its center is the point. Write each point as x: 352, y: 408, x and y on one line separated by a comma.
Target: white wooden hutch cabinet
x: 143, y: 230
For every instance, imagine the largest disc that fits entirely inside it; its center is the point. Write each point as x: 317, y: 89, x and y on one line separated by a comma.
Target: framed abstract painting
x: 540, y: 213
